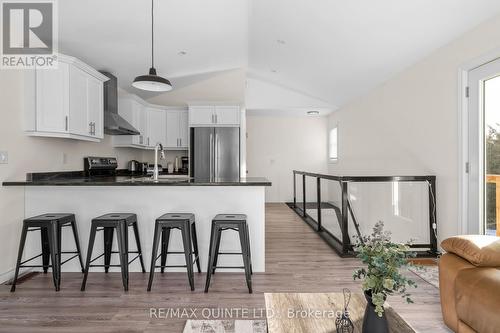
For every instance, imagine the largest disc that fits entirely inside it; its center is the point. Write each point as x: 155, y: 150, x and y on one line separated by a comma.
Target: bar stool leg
x: 188, y: 252
x: 138, y: 244
x: 19, y: 255
x: 93, y: 230
x: 210, y: 258
x: 165, y: 238
x: 45, y: 249
x: 156, y: 240
x: 108, y: 246
x: 195, y: 245
x: 217, y: 249
x: 54, y: 253
x: 77, y: 243
x: 122, y: 249
x: 59, y: 251
x: 247, y: 232
x: 246, y: 263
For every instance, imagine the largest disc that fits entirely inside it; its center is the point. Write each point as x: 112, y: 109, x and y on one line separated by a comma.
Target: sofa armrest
x: 449, y: 267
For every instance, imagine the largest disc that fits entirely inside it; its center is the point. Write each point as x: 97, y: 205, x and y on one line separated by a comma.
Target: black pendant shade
x: 151, y: 81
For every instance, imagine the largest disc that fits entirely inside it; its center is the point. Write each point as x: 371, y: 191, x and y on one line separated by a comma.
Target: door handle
x: 216, y: 152
x: 211, y: 155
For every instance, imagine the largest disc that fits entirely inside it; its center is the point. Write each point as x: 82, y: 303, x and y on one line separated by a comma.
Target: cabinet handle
x: 148, y: 141
x: 216, y: 120
x: 66, y: 123
x: 93, y: 128
x: 90, y: 128
x: 180, y: 142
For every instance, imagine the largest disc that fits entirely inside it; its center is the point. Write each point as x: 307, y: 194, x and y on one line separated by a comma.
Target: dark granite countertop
x: 164, y: 180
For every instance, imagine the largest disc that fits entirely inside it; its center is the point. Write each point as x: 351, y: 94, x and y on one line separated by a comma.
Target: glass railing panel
x: 402, y: 206
x: 331, y: 207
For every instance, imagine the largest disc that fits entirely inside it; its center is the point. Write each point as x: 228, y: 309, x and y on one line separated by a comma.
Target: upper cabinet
x: 133, y: 111
x: 66, y: 102
x: 157, y: 131
x: 177, y: 129
x: 214, y: 115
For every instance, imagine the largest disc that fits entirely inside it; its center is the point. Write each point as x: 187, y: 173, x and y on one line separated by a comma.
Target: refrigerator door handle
x: 216, y: 155
x: 211, y: 155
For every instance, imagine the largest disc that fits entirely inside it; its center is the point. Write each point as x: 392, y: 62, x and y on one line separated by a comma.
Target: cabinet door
x: 183, y: 129
x: 157, y: 130
x: 52, y: 104
x: 95, y: 106
x: 227, y: 115
x: 201, y: 115
x: 172, y: 125
x: 142, y: 123
x: 79, y: 122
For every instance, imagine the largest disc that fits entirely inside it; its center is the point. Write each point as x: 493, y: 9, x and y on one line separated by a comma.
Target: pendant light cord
x: 152, y: 35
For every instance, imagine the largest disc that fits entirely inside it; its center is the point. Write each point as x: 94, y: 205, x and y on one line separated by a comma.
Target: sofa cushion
x: 477, y: 298
x: 479, y: 250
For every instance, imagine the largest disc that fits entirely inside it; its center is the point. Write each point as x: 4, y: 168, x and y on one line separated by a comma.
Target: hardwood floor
x: 297, y: 260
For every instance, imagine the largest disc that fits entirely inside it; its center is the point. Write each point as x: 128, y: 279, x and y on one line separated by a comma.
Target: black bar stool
x: 186, y: 224
x: 50, y: 226
x: 236, y: 222
x: 108, y: 223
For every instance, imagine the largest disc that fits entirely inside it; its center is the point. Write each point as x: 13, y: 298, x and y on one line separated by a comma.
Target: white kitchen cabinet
x: 183, y: 129
x: 50, y: 92
x: 227, y: 115
x: 156, y: 127
x: 177, y: 129
x: 66, y: 102
x: 214, y: 115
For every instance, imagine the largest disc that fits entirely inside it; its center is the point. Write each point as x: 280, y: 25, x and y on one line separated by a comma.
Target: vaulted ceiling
x: 330, y: 50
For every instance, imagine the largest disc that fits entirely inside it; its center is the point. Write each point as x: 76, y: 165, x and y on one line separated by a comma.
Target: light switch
x: 4, y: 157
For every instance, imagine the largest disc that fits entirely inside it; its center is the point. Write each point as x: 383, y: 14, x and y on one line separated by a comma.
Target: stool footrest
x: 226, y: 267
x: 231, y: 253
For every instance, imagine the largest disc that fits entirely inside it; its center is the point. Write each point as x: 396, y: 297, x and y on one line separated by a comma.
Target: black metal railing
x: 345, y: 212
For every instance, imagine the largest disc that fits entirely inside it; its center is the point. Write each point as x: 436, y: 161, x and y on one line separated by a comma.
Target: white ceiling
x: 333, y: 50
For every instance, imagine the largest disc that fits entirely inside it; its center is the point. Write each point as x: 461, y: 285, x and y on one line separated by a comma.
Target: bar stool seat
x: 50, y: 226
x: 185, y: 222
x: 236, y: 222
x: 108, y: 223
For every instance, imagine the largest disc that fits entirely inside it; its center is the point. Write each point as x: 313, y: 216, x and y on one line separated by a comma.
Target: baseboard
x: 9, y: 275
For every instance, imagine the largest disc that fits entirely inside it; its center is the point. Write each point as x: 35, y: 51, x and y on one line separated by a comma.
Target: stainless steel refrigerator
x: 215, y: 153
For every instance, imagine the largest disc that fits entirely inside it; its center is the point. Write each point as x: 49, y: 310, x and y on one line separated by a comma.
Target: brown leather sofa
x: 469, y: 283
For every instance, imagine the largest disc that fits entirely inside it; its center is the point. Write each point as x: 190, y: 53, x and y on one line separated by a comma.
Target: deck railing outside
x: 495, y: 179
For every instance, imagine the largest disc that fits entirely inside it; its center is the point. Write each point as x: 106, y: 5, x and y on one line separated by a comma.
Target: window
x: 333, y: 146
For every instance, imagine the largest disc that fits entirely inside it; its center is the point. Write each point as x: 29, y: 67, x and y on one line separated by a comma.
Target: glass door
x: 484, y: 150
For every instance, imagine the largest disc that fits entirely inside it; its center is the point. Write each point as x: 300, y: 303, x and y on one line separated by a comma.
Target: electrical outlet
x: 4, y: 157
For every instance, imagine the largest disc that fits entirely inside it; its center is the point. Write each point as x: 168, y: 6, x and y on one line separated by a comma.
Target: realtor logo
x: 28, y: 34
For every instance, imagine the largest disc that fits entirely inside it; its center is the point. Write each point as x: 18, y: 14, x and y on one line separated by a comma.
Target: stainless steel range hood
x: 114, y: 124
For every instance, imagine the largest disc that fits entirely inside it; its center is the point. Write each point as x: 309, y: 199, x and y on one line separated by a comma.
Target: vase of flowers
x: 382, y: 275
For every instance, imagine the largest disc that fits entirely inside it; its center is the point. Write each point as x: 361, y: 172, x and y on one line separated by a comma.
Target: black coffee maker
x: 184, y: 164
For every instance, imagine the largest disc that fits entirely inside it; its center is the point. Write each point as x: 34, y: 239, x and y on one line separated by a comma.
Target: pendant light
x: 151, y: 81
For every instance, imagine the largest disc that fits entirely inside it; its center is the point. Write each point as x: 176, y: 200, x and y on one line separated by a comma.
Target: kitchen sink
x: 161, y: 179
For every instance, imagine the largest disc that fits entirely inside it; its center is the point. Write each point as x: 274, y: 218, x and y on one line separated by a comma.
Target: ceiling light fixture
x: 313, y: 113
x: 182, y: 53
x: 274, y: 71
x: 151, y: 81
x: 281, y: 41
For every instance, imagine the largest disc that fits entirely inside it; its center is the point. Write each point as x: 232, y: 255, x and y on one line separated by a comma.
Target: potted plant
x: 382, y: 276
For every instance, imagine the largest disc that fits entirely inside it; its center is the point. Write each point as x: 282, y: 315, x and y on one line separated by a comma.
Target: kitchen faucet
x: 158, y: 148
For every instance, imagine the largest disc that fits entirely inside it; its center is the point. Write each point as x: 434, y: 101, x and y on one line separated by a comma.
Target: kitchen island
x: 89, y: 197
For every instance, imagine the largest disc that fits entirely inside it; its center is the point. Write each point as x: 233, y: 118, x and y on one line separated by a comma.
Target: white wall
x: 409, y: 125
x: 32, y: 154
x: 278, y: 145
